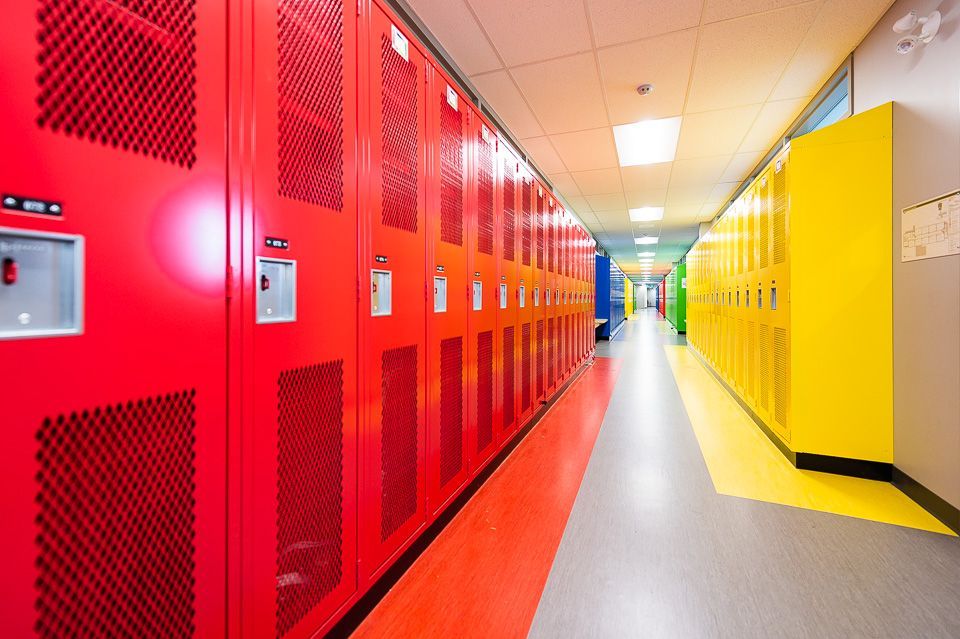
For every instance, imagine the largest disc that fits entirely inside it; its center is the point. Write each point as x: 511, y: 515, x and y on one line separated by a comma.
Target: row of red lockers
x: 181, y: 469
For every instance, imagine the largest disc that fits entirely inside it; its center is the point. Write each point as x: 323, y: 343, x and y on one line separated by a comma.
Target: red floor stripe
x: 485, y: 572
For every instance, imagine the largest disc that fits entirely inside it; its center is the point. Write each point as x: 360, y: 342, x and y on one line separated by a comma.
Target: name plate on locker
x: 400, y: 43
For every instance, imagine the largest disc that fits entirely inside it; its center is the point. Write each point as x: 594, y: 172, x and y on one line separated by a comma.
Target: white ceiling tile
x: 839, y: 27
x: 586, y: 150
x: 530, y: 31
x: 451, y: 22
x: 771, y: 124
x: 714, y: 10
x: 680, y: 214
x: 617, y: 21
x: 599, y: 181
x: 501, y: 94
x: 544, y: 154
x: 739, y: 61
x: 564, y: 183
x: 722, y: 191
x: 649, y: 197
x: 699, y: 170
x: 608, y: 202
x: 579, y: 204
x: 709, y: 211
x: 714, y: 133
x: 646, y: 177
x: 564, y: 94
x: 695, y: 193
x: 663, y: 61
x: 741, y: 165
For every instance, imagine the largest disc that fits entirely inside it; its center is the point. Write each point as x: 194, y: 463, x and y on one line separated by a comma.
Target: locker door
x: 301, y: 453
x: 484, y: 295
x: 394, y: 289
x: 510, y: 338
x: 525, y: 311
x: 114, y: 422
x: 553, y: 299
x: 447, y: 339
x: 540, y: 293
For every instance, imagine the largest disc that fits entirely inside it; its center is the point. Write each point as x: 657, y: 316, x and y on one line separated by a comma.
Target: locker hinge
x: 229, y: 282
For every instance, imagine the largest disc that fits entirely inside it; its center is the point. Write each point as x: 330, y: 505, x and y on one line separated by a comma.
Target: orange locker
x: 508, y: 295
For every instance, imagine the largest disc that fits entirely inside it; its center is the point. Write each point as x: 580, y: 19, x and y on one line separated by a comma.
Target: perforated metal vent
x: 310, y: 94
x: 526, y: 221
x: 764, y: 237
x: 764, y: 366
x: 509, y: 210
x: 738, y: 352
x: 115, y: 522
x: 398, y: 130
x: 780, y: 216
x: 751, y: 358
x: 551, y: 351
x: 451, y: 408
x: 451, y: 173
x: 120, y: 73
x: 780, y: 375
x: 484, y: 389
x: 309, y: 489
x: 399, y: 426
x: 540, y: 358
x: 509, y: 377
x: 525, y: 367
x: 485, y: 197
x: 539, y: 225
x: 551, y: 243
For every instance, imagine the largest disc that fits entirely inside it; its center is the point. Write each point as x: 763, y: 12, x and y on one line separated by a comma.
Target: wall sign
x: 931, y: 228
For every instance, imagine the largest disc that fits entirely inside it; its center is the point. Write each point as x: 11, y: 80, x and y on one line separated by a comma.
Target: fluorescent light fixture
x: 646, y: 240
x: 647, y: 142
x: 646, y: 254
x: 646, y: 214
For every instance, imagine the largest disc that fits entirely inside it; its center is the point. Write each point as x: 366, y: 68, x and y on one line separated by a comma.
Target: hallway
x: 651, y: 549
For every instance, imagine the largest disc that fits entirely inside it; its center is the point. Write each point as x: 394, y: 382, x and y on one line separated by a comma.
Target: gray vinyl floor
x: 651, y: 550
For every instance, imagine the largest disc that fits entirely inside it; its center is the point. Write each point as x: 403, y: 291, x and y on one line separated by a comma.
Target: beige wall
x: 925, y: 86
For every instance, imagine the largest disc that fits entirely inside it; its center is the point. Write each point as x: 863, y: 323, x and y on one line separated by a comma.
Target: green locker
x: 677, y: 297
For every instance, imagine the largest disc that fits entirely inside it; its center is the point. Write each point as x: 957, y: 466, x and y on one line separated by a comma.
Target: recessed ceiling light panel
x: 647, y: 142
x: 646, y: 214
x: 646, y: 240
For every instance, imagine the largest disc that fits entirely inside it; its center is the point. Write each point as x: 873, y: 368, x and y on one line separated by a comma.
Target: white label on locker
x: 452, y: 98
x: 548, y: 297
x: 485, y: 132
x: 381, y: 293
x: 400, y: 43
x: 683, y: 282
x: 540, y: 191
x: 523, y: 296
x: 779, y: 165
x: 503, y: 296
x: 439, y: 295
x: 478, y: 296
x: 536, y: 296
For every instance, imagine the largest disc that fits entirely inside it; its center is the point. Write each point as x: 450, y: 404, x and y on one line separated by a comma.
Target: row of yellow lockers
x: 789, y: 294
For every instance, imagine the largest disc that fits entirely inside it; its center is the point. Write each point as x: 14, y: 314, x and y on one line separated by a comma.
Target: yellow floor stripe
x: 744, y: 463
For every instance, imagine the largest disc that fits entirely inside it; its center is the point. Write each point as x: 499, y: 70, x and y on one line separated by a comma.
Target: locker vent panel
x: 738, y: 352
x: 751, y: 358
x: 780, y: 379
x: 525, y: 367
x: 551, y: 243
x: 309, y: 489
x: 398, y: 438
x: 780, y: 216
x: 120, y: 74
x: 451, y: 173
x: 484, y: 197
x: 451, y: 408
x: 509, y: 377
x: 526, y: 224
x: 764, y: 226
x: 310, y: 93
x: 509, y: 210
x: 115, y: 520
x: 751, y: 237
x: 764, y: 366
x: 484, y: 389
x: 398, y: 131
x: 540, y: 358
x: 538, y: 215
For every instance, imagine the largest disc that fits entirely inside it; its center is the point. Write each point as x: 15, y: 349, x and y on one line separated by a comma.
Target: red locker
x: 540, y: 294
x: 448, y: 343
x: 393, y: 302
x: 300, y: 368
x: 553, y: 299
x: 525, y: 293
x: 114, y: 420
x: 508, y: 304
x: 484, y: 294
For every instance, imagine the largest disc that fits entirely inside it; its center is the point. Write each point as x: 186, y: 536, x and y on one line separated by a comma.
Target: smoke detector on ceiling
x: 929, y: 27
x: 645, y: 89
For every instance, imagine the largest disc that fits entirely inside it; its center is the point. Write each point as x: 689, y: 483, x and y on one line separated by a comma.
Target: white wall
x: 925, y: 87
